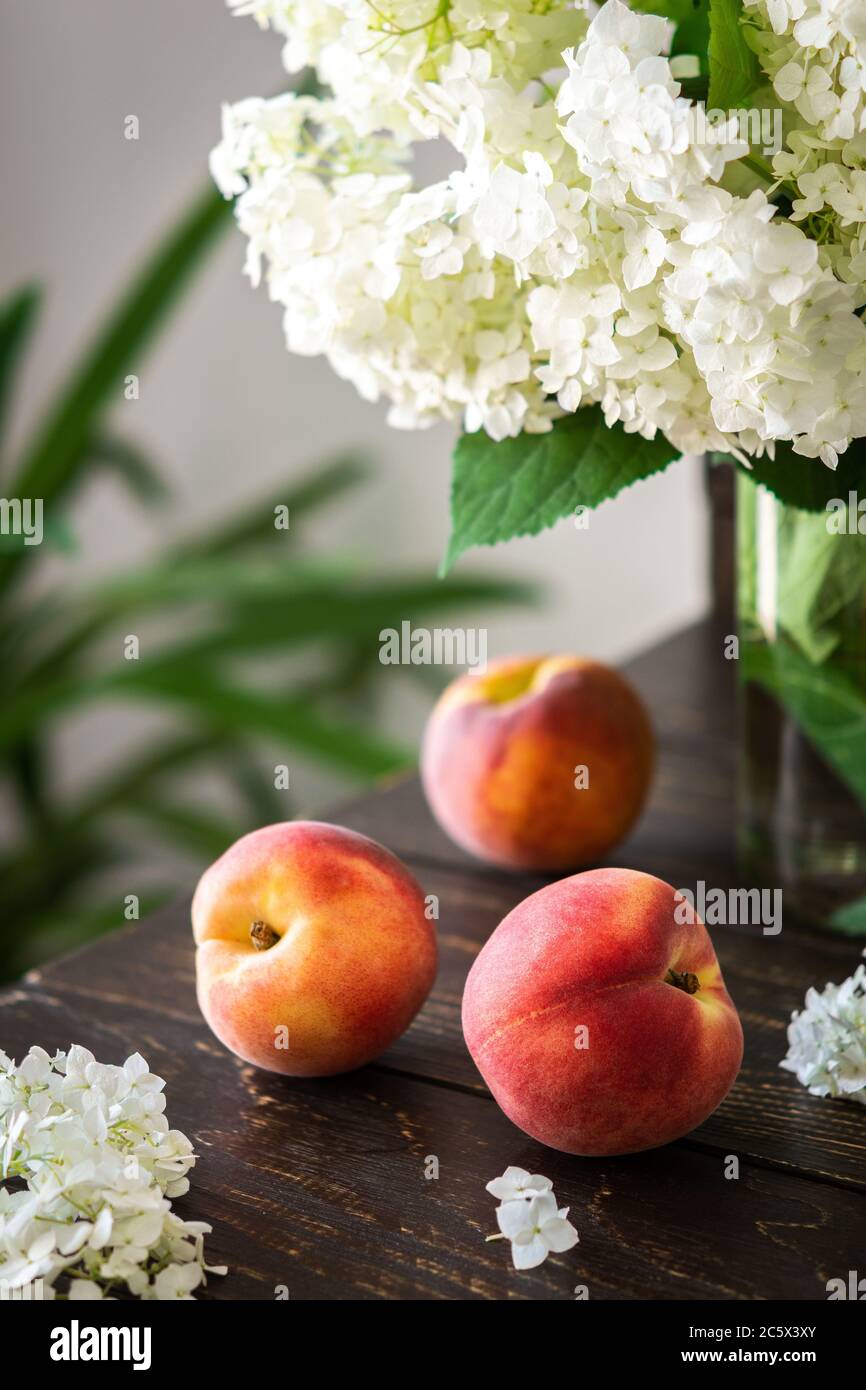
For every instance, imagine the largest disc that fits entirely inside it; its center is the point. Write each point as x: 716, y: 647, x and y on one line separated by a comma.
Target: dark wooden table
x: 318, y: 1188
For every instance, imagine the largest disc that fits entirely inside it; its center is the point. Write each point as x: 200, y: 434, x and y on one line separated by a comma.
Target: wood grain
x: 319, y: 1187
x: 767, y: 1117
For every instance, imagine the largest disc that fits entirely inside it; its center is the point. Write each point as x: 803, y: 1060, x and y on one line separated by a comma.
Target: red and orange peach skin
x: 600, y: 1021
x: 503, y: 756
x: 313, y: 950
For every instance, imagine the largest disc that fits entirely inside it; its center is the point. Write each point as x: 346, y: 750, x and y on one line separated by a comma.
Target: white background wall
x: 223, y: 407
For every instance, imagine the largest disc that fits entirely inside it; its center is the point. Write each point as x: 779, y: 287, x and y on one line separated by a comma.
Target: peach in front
x: 539, y: 763
x: 314, y: 952
x: 598, y: 1016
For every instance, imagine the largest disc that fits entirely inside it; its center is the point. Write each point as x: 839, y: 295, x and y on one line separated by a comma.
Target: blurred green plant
x: 240, y: 592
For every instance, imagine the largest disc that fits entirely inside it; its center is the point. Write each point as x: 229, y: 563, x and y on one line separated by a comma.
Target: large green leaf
x: 59, y: 448
x: 734, y: 68
x: 851, y: 919
x: 71, y: 826
x: 691, y: 21
x: 218, y: 705
x: 293, y: 722
x: 258, y: 607
x: 202, y: 832
x: 824, y: 702
x: 520, y: 486
x: 821, y: 584
x: 17, y: 317
x: 63, y: 926
x: 808, y: 483
x: 129, y: 463
x: 61, y: 629
x: 255, y: 524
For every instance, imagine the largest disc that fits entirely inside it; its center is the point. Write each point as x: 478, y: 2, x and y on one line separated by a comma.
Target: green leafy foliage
x: 850, y: 919
x: 821, y: 585
x: 518, y: 487
x: 734, y: 67
x: 807, y: 483
x: 691, y: 21
x: 52, y: 463
x: 825, y: 702
x: 258, y: 646
x: 17, y: 319
x: 815, y: 667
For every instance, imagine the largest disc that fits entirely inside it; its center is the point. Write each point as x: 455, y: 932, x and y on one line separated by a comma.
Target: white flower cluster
x: 528, y: 1216
x: 814, y: 52
x: 583, y: 251
x: 92, y: 1166
x: 818, y: 63
x: 827, y: 1040
x: 377, y: 57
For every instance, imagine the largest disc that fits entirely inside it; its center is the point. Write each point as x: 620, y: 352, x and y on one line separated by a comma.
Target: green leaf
x: 256, y: 787
x: 201, y: 832
x: 692, y: 33
x: 256, y: 523
x: 292, y: 721
x: 59, y: 449
x: 808, y: 483
x: 677, y: 11
x: 65, y: 926
x: 822, y: 583
x: 17, y: 318
x: 691, y: 21
x: 260, y: 607
x: 520, y: 486
x: 47, y: 871
x: 824, y: 702
x: 26, y: 767
x: 734, y: 68
x: 851, y: 919
x: 131, y: 465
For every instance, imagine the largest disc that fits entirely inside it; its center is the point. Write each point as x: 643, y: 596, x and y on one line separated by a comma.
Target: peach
x: 538, y: 763
x: 597, y: 1015
x: 313, y: 950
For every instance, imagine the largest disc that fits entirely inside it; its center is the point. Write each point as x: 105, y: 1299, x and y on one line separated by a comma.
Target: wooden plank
x: 318, y: 1188
x: 768, y: 1117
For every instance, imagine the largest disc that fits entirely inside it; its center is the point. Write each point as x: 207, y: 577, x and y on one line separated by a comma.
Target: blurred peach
x: 538, y: 763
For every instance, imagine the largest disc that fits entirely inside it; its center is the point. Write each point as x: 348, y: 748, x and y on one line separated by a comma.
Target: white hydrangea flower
x: 100, y: 1165
x: 535, y: 1228
x: 814, y: 51
x: 518, y: 1183
x: 582, y: 250
x: 377, y: 58
x: 528, y: 1216
x: 827, y: 1040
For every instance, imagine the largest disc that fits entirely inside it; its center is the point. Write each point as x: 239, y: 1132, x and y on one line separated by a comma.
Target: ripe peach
x: 597, y: 1015
x: 313, y: 948
x: 538, y: 763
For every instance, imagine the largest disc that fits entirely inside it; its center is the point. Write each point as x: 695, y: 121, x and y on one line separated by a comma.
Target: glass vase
x: 801, y: 599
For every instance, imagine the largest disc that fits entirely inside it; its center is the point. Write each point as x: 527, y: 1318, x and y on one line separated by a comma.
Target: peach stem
x: 263, y: 936
x: 687, y: 981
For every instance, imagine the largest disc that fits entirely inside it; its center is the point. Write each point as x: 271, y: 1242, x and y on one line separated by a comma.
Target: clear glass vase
x: 801, y: 598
